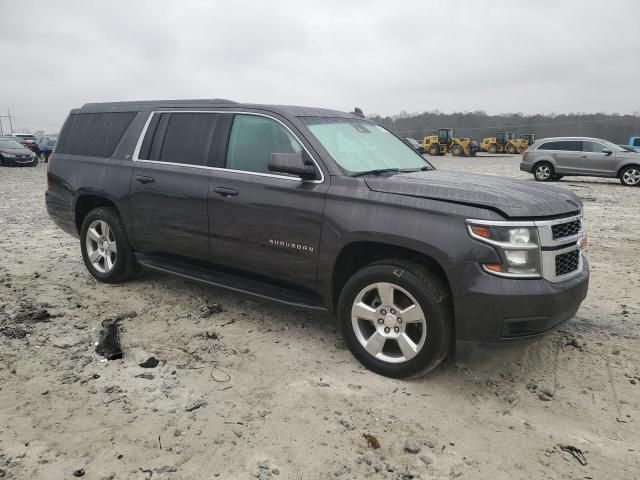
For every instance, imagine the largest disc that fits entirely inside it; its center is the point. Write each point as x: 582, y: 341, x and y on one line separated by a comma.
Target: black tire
x: 629, y: 176
x: 35, y: 162
x: 434, y: 150
x: 457, y: 151
x: 431, y: 295
x: 125, y: 265
x: 492, y: 149
x: 511, y: 149
x: 543, y: 172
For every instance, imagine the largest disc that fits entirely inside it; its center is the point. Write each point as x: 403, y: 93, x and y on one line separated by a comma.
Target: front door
x: 170, y: 185
x: 262, y: 223
x: 595, y: 162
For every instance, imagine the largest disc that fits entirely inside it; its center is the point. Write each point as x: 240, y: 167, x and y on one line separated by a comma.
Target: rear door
x: 170, y: 184
x: 262, y: 223
x: 595, y: 162
x: 566, y: 155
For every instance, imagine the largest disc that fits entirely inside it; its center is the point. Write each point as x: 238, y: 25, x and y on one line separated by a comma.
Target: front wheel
x: 457, y: 151
x: 492, y: 149
x: 105, y: 248
x: 395, y: 317
x: 434, y: 150
x: 630, y: 176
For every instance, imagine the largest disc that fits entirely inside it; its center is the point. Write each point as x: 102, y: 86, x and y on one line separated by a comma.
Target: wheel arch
x: 631, y: 163
x: 85, y: 202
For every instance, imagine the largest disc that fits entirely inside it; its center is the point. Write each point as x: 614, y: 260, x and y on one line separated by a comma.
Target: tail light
x: 525, y: 154
x: 47, y: 171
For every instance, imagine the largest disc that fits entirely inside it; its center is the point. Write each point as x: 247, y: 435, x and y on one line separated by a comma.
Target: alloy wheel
x: 101, y: 246
x: 543, y: 172
x: 388, y: 322
x: 631, y: 176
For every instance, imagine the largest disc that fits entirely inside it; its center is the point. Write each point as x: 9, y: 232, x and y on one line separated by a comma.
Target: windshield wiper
x: 375, y: 171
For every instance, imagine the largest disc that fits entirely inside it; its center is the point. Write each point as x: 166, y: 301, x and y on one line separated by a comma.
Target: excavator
x: 503, y: 142
x: 444, y: 142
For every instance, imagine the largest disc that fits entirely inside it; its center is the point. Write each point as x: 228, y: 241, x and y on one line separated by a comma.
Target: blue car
x: 634, y: 142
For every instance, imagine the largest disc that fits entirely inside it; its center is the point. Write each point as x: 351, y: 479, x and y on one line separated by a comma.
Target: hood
x: 16, y: 151
x: 511, y: 198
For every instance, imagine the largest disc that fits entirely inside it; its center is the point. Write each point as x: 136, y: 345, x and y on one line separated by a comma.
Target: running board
x: 237, y: 283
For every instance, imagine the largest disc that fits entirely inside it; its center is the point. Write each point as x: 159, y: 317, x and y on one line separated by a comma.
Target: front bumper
x: 18, y: 161
x: 493, y: 309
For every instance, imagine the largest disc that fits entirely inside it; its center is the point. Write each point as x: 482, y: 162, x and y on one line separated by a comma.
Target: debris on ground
x: 411, y: 446
x: 575, y: 452
x: 109, y: 342
x: 78, y: 473
x: 210, y: 309
x: 371, y: 441
x: 195, y: 405
x: 151, y: 362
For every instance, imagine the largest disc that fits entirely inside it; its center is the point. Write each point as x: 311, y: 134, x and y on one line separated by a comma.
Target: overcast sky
x: 384, y: 56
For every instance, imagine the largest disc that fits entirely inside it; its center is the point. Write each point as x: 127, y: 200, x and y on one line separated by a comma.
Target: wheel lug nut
x: 380, y: 321
x: 383, y: 312
x: 387, y: 329
x: 396, y: 329
x: 393, y: 312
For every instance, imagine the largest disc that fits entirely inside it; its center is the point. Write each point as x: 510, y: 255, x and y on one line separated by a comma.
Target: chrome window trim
x: 136, y: 151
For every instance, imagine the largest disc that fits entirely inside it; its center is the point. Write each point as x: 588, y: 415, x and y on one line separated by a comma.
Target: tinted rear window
x: 567, y: 145
x: 636, y: 142
x: 185, y: 138
x: 96, y: 134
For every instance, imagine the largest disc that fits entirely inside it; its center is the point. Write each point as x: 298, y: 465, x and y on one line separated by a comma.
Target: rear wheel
x: 512, y: 149
x: 543, y: 172
x: 630, y: 176
x: 434, y: 150
x: 106, y: 251
x: 492, y: 149
x: 457, y: 150
x: 396, y: 318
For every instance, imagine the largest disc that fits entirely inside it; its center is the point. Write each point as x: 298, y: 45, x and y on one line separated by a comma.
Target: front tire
x: 492, y: 149
x: 434, y: 150
x: 511, y: 149
x: 395, y: 317
x: 543, y: 172
x: 630, y: 176
x: 106, y: 251
x: 457, y: 151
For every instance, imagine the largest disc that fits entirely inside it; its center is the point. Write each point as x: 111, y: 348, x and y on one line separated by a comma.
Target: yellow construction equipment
x: 529, y: 138
x: 503, y: 142
x: 445, y: 141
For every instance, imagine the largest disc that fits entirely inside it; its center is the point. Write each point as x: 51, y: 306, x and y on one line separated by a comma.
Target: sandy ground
x: 250, y: 389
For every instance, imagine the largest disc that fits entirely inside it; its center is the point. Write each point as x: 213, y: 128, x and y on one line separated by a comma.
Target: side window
x: 95, y: 134
x: 185, y: 138
x: 569, y: 146
x: 636, y: 142
x: 252, y: 141
x: 592, y: 147
x: 549, y: 146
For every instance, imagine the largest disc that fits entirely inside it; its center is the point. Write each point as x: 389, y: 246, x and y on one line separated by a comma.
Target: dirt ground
x: 250, y: 389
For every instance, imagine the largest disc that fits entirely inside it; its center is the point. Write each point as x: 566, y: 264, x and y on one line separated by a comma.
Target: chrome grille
x: 568, y: 229
x: 567, y: 262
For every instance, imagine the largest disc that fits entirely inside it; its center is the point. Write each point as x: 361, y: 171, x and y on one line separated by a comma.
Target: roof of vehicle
x: 147, y: 105
x: 556, y: 139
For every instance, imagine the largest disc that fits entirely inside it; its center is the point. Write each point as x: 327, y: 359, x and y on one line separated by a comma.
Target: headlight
x: 8, y: 155
x: 517, y: 245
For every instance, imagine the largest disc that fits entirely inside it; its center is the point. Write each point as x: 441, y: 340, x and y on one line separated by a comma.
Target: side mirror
x: 299, y: 164
x: 607, y: 151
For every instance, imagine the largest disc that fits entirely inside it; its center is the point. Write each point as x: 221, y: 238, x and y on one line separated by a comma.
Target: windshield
x: 360, y: 145
x: 12, y: 144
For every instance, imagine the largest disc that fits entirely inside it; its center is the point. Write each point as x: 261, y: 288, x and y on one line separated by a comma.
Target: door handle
x: 144, y: 179
x: 226, y: 192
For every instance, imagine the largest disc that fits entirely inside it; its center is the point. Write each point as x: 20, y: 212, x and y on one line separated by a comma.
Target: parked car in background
x: 552, y: 158
x: 14, y: 153
x: 414, y: 144
x: 45, y: 145
x: 634, y: 143
x: 28, y: 140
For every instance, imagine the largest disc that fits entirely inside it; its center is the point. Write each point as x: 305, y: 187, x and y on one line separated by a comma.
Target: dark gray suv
x: 552, y: 158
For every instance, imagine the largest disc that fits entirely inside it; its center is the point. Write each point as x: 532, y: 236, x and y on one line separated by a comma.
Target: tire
x: 630, y: 176
x: 429, y: 328
x: 457, y: 151
x: 434, y: 150
x: 543, y: 172
x: 492, y: 149
x: 511, y: 149
x: 35, y: 162
x: 108, y: 266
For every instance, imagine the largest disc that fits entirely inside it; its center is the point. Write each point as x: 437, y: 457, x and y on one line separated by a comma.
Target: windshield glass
x: 10, y: 144
x: 360, y: 145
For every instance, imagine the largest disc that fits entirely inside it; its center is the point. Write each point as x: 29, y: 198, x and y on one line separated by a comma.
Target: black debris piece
x: 109, y: 343
x: 576, y: 452
x: 78, y: 473
x: 146, y: 376
x: 151, y: 362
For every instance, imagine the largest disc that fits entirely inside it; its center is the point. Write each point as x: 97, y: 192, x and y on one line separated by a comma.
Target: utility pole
x: 10, y: 124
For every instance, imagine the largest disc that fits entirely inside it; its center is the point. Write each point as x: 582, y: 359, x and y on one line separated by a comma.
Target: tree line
x: 478, y: 125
